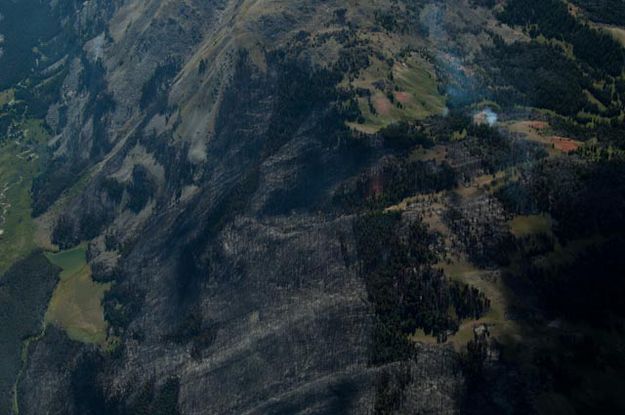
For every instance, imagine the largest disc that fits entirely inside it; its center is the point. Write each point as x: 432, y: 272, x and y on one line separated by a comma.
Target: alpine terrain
x: 312, y: 207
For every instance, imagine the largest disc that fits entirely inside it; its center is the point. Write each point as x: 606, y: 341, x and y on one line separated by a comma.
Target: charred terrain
x: 312, y: 206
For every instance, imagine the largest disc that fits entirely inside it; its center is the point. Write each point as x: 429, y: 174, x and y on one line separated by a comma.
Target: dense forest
x: 407, y: 292
x: 552, y: 19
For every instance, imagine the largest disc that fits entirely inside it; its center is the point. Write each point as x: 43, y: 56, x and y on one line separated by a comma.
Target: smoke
x: 95, y: 47
x: 197, y: 152
x: 486, y: 116
x: 491, y: 116
x: 460, y: 85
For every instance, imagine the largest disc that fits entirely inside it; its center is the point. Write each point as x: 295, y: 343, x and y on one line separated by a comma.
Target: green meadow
x: 76, y: 305
x: 19, y: 163
x: 414, y: 94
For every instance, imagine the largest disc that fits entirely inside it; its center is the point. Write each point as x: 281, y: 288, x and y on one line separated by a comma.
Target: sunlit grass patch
x: 76, y: 303
x: 418, y: 90
x: 71, y: 261
x: 404, y: 92
x: 19, y: 163
x: 493, y: 287
x: 617, y: 32
x: 525, y: 225
x: 7, y: 96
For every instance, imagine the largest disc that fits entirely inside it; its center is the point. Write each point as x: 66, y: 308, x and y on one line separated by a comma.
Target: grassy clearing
x: 421, y: 86
x: 536, y: 131
x: 540, y: 132
x: 436, y: 153
x: 461, y: 270
x: 521, y: 226
x: 594, y: 100
x: 491, y: 285
x: 419, y: 336
x: 76, y: 302
x: 617, y: 32
x: 410, y: 92
x: 71, y: 261
x: 458, y: 268
x: 7, y: 96
x: 19, y: 163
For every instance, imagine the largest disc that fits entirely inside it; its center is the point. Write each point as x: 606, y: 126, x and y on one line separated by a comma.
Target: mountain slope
x: 200, y: 127
x: 326, y: 207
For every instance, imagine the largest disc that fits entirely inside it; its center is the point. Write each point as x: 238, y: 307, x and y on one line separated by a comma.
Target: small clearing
x: 521, y: 226
x: 565, y: 145
x: 539, y: 132
x: 617, y: 32
x: 405, y: 90
x: 76, y: 304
